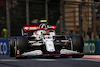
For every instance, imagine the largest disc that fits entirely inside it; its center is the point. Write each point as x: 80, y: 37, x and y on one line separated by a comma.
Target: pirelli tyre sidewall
x: 78, y: 45
x: 22, y: 44
x: 11, y: 46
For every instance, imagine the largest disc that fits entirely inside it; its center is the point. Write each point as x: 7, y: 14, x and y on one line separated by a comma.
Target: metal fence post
x: 8, y: 18
x: 95, y: 22
x: 27, y: 12
x: 80, y: 19
x: 63, y: 16
x: 46, y: 9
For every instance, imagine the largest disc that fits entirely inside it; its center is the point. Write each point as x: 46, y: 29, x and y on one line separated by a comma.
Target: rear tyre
x: 11, y: 47
x: 78, y: 45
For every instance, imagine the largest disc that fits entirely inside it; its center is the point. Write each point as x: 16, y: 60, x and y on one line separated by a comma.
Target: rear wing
x: 35, y: 28
x: 30, y: 28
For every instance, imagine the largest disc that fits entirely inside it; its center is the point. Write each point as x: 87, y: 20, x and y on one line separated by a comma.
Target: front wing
x: 37, y: 53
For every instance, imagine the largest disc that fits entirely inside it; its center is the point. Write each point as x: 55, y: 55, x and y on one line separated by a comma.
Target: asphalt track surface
x: 86, y: 61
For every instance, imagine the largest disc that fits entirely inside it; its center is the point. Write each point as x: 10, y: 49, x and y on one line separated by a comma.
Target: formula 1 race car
x: 42, y: 41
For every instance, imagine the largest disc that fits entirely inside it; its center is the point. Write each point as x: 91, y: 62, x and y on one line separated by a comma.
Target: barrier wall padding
x: 91, y: 47
x: 99, y: 46
x: 4, y: 47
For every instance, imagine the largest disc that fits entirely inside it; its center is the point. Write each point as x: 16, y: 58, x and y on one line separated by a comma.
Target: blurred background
x: 81, y: 16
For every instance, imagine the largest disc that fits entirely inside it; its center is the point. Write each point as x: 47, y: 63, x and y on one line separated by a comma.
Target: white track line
x: 94, y: 60
x: 51, y: 60
x: 9, y: 60
x: 83, y: 59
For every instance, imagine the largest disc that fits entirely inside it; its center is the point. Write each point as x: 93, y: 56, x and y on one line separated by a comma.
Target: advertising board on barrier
x: 99, y: 46
x: 4, y: 47
x: 91, y: 47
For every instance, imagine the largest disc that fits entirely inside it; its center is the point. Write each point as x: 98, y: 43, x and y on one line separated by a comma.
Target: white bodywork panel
x: 36, y: 43
x: 39, y: 52
x: 52, y: 33
x: 35, y: 52
x: 39, y: 34
x: 65, y: 51
x: 48, y: 40
x: 50, y: 46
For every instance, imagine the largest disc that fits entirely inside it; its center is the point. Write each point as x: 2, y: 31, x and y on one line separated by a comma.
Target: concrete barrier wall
x: 4, y: 46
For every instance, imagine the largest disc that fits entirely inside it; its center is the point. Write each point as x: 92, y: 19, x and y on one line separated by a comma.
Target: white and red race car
x: 42, y: 41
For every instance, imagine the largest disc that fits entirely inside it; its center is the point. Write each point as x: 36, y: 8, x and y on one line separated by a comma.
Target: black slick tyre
x: 78, y: 45
x: 21, y: 44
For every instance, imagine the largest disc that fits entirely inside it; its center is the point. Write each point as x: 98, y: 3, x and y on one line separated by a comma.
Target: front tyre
x: 21, y: 44
x: 78, y: 46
